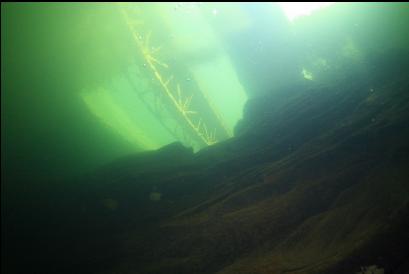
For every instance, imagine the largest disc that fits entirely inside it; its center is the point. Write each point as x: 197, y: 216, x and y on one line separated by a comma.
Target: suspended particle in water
x: 307, y: 74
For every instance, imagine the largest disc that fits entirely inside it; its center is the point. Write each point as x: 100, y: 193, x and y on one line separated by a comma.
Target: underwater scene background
x: 204, y: 137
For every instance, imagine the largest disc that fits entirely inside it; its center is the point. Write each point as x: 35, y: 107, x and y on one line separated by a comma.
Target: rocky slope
x: 315, y: 182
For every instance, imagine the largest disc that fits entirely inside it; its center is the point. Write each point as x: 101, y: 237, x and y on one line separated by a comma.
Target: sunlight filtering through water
x: 297, y: 9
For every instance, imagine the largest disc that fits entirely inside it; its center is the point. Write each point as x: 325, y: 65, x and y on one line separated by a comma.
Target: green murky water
x: 84, y: 84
